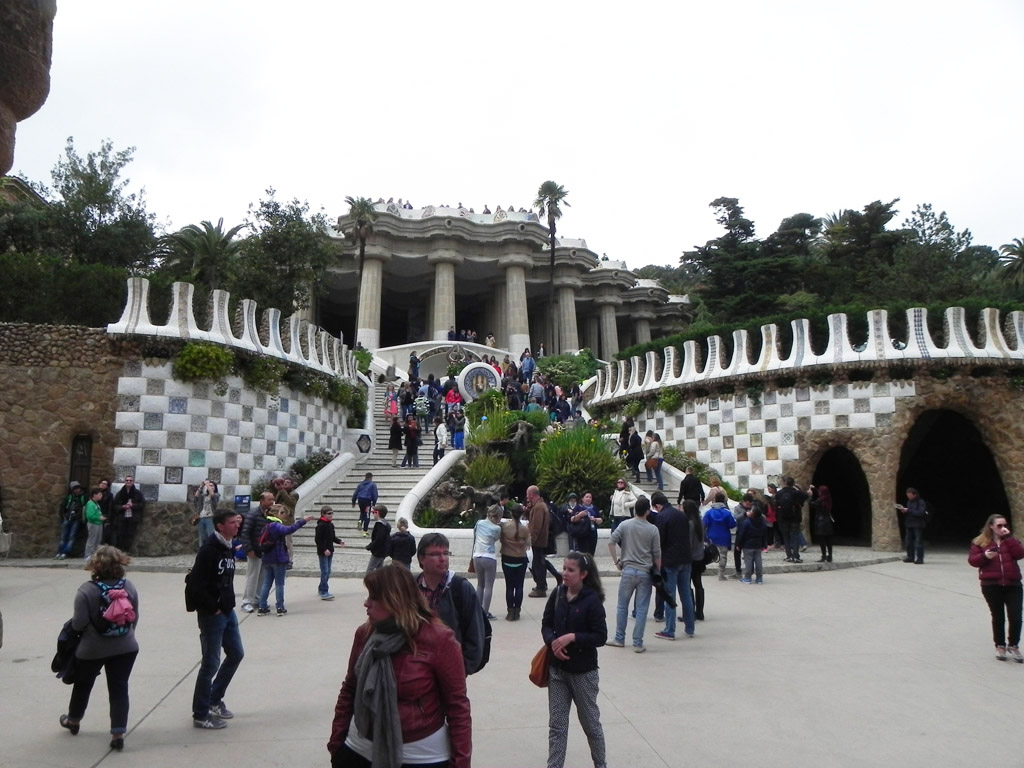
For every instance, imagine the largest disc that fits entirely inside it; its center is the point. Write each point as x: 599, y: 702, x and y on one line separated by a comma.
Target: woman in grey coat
x: 103, y: 646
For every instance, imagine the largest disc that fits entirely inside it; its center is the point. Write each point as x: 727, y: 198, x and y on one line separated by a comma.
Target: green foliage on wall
x: 201, y: 361
x: 670, y: 400
x: 303, y: 469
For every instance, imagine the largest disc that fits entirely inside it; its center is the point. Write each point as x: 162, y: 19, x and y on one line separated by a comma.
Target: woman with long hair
x: 395, y: 440
x: 403, y: 701
x: 995, y: 552
x: 390, y: 402
x: 105, y: 644
x: 515, y: 541
x: 574, y: 627
x: 486, y: 534
x: 692, y: 512
x: 822, y: 520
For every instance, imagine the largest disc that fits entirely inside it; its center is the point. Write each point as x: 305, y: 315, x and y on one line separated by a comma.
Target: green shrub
x: 566, y: 370
x: 670, y: 400
x: 489, y: 469
x: 303, y: 469
x: 262, y: 373
x: 200, y: 361
x: 488, y: 401
x: 633, y: 408
x: 577, y: 460
x: 363, y: 359
x: 494, y: 425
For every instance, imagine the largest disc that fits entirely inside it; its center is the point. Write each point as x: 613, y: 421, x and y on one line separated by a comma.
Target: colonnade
x: 509, y: 311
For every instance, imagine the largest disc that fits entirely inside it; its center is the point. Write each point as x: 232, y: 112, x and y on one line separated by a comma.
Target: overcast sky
x: 644, y: 111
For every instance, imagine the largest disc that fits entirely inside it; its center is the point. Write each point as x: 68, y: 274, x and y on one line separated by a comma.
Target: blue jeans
x: 205, y: 527
x: 677, y: 580
x: 273, y: 573
x: 457, y: 438
x: 633, y: 580
x: 68, y: 532
x: 915, y: 544
x: 216, y: 632
x: 118, y: 669
x: 325, y: 573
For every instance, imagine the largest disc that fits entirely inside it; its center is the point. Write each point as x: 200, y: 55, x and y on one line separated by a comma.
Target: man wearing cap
x: 71, y: 512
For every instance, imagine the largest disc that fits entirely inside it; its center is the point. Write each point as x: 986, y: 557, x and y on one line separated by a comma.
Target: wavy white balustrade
x: 997, y: 341
x: 325, y: 353
x: 651, y: 375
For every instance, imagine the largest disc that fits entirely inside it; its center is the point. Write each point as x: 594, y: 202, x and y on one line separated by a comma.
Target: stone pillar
x: 515, y: 294
x: 594, y: 334
x: 642, y: 329
x: 568, y: 333
x: 26, y: 43
x: 444, y: 293
x: 609, y: 331
x: 370, y: 296
x: 429, y: 310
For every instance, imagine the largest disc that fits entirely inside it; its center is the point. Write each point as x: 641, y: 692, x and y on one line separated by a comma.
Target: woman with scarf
x: 403, y: 701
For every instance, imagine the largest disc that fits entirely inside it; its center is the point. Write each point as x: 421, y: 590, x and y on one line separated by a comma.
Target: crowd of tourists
x: 403, y: 698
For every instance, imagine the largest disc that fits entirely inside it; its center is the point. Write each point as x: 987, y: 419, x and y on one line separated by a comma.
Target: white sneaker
x: 247, y: 607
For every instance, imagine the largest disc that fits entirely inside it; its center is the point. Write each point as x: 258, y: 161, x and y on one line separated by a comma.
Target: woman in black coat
x: 821, y: 512
x: 635, y: 455
x: 574, y: 627
x: 395, y: 440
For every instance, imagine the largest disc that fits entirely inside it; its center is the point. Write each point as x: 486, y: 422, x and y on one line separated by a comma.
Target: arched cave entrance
x: 840, y: 470
x: 945, y: 458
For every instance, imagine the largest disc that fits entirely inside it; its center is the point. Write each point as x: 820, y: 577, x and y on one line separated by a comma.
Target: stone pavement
x: 879, y: 665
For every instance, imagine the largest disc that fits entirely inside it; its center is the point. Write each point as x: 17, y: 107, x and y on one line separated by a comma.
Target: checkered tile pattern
x: 748, y: 443
x: 175, y: 434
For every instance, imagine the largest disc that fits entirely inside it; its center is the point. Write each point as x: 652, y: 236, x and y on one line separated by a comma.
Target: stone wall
x: 56, y: 382
x: 59, y: 382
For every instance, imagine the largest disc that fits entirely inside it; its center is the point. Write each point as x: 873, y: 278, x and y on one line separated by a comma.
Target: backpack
x: 117, y: 614
x: 190, y: 603
x: 487, y: 643
x: 266, y: 542
x: 556, y: 525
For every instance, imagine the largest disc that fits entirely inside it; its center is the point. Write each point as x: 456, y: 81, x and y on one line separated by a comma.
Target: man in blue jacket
x: 365, y: 495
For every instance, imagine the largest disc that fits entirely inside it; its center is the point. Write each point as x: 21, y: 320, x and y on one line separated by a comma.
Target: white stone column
x: 568, y: 333
x: 642, y: 329
x: 444, y: 293
x: 609, y: 330
x: 515, y: 290
x: 370, y: 296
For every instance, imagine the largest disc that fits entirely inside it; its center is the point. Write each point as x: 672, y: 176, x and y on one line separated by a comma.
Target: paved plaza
x: 880, y: 665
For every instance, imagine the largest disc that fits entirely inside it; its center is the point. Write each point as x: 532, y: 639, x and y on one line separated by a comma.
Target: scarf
x: 376, y: 698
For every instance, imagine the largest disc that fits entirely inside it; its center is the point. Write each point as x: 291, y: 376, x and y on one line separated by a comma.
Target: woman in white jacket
x: 623, y: 501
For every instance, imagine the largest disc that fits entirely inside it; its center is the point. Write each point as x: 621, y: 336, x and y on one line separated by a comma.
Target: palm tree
x: 550, y: 198
x: 362, y: 212
x: 1011, y: 262
x: 201, y: 254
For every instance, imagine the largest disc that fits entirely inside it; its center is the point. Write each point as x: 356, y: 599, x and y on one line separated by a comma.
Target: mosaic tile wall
x: 748, y: 443
x: 176, y: 434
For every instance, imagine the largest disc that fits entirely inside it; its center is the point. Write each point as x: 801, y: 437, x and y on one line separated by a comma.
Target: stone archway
x: 840, y: 470
x: 948, y: 461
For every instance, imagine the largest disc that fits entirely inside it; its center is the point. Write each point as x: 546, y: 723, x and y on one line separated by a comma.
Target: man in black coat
x: 211, y: 590
x: 677, y: 562
x: 789, y: 504
x: 691, y: 489
x: 128, y: 506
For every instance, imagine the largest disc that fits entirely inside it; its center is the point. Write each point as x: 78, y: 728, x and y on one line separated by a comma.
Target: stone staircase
x: 393, y: 483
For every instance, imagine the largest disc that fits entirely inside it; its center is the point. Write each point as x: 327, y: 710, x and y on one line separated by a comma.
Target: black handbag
x: 711, y: 553
x: 64, y: 662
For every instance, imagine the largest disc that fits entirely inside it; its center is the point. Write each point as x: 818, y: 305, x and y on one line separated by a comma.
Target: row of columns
x: 509, y: 315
